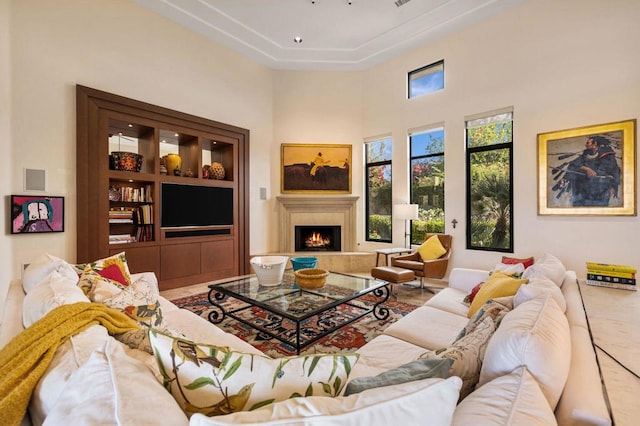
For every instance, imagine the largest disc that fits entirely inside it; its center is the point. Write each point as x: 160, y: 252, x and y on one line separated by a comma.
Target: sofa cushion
x: 384, y: 353
x: 549, y: 266
x: 539, y: 286
x: 415, y: 370
x: 53, y: 291
x: 428, y: 327
x: 112, y: 388
x: 497, y: 285
x: 42, y: 266
x: 512, y: 399
x: 449, y: 300
x: 215, y: 380
x: 534, y: 335
x: 467, y: 354
x: 431, y: 249
x: 405, y: 404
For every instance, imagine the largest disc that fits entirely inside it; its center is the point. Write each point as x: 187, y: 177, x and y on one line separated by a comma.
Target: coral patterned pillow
x: 113, y: 268
x: 526, y: 262
x: 215, y: 380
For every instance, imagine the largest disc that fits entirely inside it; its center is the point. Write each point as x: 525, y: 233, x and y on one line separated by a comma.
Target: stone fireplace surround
x: 316, y: 210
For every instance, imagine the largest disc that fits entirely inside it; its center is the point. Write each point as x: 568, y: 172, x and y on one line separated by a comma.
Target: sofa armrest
x: 464, y: 279
x: 12, y: 324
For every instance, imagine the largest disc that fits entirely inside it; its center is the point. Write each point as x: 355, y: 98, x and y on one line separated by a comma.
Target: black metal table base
x: 218, y: 314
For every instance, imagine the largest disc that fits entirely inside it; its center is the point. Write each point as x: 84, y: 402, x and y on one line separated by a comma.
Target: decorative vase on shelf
x: 173, y: 163
x: 216, y: 171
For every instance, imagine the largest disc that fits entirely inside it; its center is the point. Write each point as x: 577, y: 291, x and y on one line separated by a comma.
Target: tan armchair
x: 436, y: 268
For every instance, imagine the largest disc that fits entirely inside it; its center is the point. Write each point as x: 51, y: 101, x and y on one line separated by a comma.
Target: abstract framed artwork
x: 315, y: 168
x: 588, y: 171
x: 36, y: 214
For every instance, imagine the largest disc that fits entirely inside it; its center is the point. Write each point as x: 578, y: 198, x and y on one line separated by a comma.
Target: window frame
x: 469, y: 152
x: 411, y: 133
x: 436, y: 64
x: 368, y: 165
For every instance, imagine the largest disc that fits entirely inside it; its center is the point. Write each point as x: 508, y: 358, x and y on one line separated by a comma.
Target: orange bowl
x: 311, y: 278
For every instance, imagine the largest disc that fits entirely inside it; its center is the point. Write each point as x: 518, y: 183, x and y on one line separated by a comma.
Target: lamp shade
x: 405, y: 211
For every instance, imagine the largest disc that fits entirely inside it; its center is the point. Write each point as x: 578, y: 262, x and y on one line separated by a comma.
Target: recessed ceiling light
x: 297, y: 39
x: 130, y: 125
x: 176, y: 135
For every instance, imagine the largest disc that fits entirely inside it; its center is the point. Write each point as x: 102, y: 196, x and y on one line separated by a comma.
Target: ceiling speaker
x: 34, y: 180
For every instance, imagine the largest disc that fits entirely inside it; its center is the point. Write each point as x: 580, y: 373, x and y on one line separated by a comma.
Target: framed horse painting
x: 315, y: 168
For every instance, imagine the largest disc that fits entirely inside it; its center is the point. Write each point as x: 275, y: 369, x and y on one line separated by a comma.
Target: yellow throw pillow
x: 431, y: 249
x: 498, y: 285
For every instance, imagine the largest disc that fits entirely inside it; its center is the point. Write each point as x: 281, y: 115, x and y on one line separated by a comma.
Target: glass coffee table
x: 296, y: 316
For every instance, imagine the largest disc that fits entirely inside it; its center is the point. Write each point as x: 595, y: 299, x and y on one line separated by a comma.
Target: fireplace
x: 318, y: 238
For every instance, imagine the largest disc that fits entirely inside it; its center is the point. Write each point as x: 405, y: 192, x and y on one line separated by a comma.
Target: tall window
x: 378, y: 191
x: 427, y: 182
x: 426, y: 79
x: 490, y: 181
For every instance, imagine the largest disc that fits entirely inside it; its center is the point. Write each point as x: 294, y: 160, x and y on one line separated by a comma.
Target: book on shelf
x: 121, y: 239
x: 610, y: 278
x: 116, y: 220
x: 610, y: 267
x: 612, y: 285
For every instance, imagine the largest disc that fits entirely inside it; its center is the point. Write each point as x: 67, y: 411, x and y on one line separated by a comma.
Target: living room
x: 559, y: 66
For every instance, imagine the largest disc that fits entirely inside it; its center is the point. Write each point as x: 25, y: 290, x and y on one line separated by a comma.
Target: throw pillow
x: 93, y: 284
x: 495, y: 309
x: 42, y: 266
x: 215, y: 380
x: 498, y: 285
x: 515, y: 270
x: 472, y: 294
x: 540, y: 285
x: 512, y: 399
x: 549, y: 266
x: 535, y: 335
x: 55, y: 290
x: 111, y: 388
x: 113, y: 268
x: 467, y: 354
x: 420, y: 369
x: 432, y: 400
x: 431, y: 249
x: 138, y: 300
x: 526, y: 262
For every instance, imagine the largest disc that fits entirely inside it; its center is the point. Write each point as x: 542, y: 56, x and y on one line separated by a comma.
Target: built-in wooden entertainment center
x: 122, y: 210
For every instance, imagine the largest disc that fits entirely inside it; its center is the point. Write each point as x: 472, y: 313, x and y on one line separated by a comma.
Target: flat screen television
x: 193, y: 205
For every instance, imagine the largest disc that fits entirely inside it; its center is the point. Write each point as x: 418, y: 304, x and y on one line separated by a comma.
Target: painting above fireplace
x: 318, y: 238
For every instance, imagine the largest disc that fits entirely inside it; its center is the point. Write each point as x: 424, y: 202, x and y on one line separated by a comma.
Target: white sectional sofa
x: 538, y: 367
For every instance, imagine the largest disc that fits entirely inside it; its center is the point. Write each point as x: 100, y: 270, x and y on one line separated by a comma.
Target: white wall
x: 560, y: 65
x: 122, y: 48
x: 316, y: 107
x: 6, y: 147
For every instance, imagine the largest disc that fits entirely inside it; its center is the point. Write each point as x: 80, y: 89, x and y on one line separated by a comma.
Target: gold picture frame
x: 315, y: 168
x: 588, y: 171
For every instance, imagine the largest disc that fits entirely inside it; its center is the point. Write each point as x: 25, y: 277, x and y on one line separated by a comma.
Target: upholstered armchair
x: 436, y: 268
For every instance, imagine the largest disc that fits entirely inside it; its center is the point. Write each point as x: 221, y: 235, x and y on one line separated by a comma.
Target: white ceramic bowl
x: 269, y: 269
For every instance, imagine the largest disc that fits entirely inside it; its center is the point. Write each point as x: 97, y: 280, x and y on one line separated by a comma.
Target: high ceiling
x: 336, y: 34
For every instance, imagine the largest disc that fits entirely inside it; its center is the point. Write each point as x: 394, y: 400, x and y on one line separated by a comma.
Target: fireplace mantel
x: 317, y: 210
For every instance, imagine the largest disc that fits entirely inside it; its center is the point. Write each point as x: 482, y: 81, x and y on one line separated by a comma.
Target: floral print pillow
x: 215, y: 380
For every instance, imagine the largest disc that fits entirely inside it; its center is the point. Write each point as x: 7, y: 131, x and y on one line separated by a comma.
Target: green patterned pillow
x: 215, y: 380
x: 467, y: 354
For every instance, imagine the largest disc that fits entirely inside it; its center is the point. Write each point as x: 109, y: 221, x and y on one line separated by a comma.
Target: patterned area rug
x: 346, y: 339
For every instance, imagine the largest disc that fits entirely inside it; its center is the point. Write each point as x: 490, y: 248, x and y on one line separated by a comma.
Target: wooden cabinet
x: 167, y: 188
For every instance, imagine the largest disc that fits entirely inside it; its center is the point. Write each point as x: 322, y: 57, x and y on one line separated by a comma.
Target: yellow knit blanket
x: 26, y: 357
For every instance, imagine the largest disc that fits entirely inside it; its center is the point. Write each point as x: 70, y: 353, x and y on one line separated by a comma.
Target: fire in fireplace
x: 317, y: 238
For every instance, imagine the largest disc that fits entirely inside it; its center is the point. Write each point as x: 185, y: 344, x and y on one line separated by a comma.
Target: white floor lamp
x: 406, y: 212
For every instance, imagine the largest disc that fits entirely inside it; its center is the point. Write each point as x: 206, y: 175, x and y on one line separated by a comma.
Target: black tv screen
x: 193, y: 205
